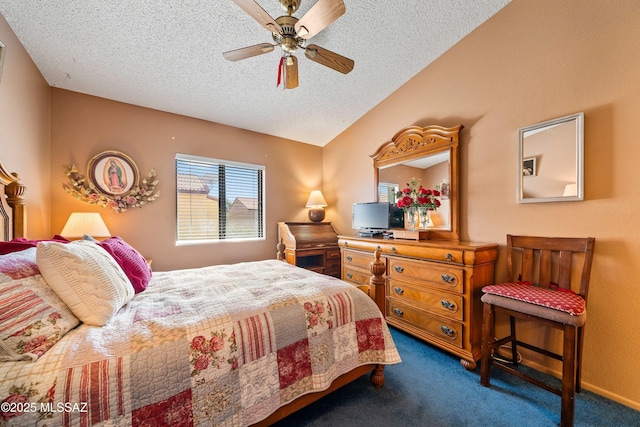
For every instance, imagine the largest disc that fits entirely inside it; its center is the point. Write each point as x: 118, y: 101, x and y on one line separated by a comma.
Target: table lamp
x: 316, y: 204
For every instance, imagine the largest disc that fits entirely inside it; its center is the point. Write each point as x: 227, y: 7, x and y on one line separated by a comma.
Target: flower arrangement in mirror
x: 417, y: 201
x: 138, y: 196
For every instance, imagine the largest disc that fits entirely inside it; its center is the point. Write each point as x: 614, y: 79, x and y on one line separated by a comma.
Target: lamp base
x: 316, y: 215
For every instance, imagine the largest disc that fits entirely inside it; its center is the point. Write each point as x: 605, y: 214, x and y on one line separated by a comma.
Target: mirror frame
x: 415, y: 142
x: 578, y: 118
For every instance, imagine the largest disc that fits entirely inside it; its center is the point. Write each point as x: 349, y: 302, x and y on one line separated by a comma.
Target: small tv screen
x: 376, y: 216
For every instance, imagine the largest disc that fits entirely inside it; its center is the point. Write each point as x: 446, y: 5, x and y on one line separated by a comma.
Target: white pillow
x: 86, y: 278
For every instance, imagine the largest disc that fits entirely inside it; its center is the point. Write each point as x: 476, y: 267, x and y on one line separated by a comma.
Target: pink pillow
x: 20, y: 244
x: 132, y: 263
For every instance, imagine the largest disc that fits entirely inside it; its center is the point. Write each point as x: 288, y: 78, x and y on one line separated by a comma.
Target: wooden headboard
x: 13, y: 225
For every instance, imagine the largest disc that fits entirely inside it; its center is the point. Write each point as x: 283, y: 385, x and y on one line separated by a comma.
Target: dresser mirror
x: 429, y: 155
x: 551, y: 161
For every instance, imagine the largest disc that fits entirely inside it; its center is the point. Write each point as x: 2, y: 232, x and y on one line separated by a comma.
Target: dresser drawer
x: 358, y: 278
x: 357, y: 258
x: 332, y: 268
x: 441, y: 329
x: 427, y: 253
x: 332, y: 254
x: 431, y: 274
x: 444, y: 304
x: 355, y: 275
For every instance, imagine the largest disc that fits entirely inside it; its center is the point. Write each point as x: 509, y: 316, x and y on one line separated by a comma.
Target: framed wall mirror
x: 551, y: 161
x: 429, y: 155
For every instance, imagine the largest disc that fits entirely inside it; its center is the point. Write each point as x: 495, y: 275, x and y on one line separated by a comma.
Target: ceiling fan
x: 290, y: 34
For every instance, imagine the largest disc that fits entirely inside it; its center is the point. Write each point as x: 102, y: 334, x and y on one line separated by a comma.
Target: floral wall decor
x: 113, y: 182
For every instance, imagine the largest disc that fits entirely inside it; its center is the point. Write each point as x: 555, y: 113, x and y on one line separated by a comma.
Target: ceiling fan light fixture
x: 290, y: 34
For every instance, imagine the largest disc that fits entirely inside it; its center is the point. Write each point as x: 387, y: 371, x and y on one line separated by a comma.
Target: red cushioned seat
x: 560, y: 299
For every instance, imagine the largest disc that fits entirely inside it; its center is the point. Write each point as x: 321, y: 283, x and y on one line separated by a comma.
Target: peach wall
x: 24, y: 128
x: 534, y: 61
x: 83, y: 126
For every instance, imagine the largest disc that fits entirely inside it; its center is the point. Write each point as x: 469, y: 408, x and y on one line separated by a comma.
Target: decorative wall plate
x: 113, y: 182
x: 113, y: 173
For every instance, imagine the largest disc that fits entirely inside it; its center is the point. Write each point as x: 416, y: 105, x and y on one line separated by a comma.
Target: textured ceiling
x: 167, y: 55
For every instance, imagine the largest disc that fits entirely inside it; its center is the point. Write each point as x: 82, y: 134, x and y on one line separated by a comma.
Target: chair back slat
x: 564, y: 276
x: 563, y: 261
x: 545, y: 268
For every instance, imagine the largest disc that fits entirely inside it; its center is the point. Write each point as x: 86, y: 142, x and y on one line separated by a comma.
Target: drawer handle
x: 350, y: 276
x: 398, y: 312
x: 398, y: 291
x: 349, y: 258
x: 447, y: 304
x: 449, y: 258
x: 398, y: 268
x: 448, y: 331
x: 393, y: 249
x: 447, y: 278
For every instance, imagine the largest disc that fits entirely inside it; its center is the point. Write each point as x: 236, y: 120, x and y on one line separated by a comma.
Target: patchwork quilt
x: 222, y: 345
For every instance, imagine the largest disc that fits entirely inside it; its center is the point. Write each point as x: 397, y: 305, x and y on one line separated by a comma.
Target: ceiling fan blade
x: 291, y: 72
x: 323, y: 13
x: 329, y: 59
x: 247, y: 52
x: 254, y: 10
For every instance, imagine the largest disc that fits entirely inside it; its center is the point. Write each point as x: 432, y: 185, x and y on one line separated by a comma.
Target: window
x: 387, y: 192
x: 218, y: 200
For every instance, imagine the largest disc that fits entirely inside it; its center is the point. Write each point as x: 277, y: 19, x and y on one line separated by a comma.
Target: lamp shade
x: 81, y: 223
x: 316, y: 200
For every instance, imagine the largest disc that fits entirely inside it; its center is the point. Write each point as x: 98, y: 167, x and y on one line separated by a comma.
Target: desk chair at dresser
x: 542, y: 272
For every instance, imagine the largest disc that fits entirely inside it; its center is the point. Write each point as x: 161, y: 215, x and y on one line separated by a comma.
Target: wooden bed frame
x: 15, y: 226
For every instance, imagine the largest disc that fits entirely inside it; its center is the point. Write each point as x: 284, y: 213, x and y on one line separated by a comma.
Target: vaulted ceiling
x: 167, y: 55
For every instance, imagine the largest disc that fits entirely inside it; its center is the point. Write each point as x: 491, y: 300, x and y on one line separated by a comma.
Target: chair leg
x: 568, y: 377
x: 579, y: 360
x: 487, y: 344
x: 514, y: 347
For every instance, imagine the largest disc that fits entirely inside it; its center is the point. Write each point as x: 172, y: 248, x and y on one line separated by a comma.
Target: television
x: 374, y: 218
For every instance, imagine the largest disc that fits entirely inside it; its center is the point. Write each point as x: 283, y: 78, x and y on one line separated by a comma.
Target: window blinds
x: 218, y: 200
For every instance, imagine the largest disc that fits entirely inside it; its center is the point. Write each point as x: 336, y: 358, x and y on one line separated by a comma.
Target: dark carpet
x: 431, y: 388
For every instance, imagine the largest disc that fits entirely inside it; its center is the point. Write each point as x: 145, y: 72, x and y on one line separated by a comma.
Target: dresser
x: 311, y: 245
x: 430, y: 288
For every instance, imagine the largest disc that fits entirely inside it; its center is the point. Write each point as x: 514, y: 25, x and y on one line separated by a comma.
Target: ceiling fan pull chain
x: 280, y: 70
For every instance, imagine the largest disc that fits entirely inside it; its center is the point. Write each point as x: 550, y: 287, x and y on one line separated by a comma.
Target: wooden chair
x: 542, y: 272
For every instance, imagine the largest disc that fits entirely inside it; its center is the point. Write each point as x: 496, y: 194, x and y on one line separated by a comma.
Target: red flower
x: 15, y: 400
x: 217, y: 343
x: 406, y: 201
x: 34, y: 343
x: 313, y: 319
x: 308, y: 306
x: 202, y: 363
x: 319, y: 308
x: 199, y: 343
x: 51, y: 393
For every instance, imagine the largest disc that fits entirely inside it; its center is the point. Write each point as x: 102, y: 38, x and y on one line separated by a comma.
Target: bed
x: 84, y: 340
